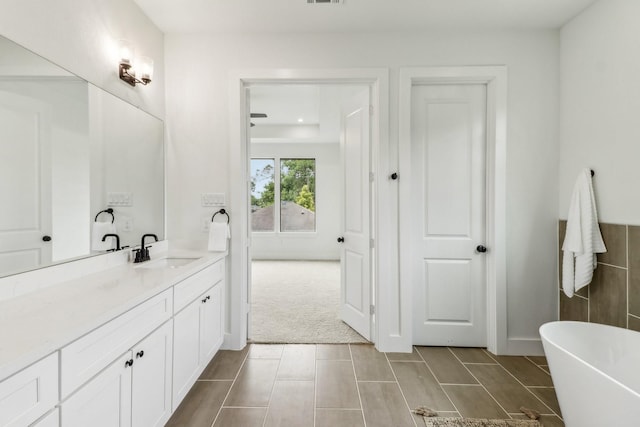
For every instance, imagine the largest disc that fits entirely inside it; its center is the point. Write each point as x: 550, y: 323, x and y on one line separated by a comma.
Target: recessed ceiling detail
x: 325, y: 1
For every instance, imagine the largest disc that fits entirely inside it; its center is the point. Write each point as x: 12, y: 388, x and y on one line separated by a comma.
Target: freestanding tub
x: 596, y: 373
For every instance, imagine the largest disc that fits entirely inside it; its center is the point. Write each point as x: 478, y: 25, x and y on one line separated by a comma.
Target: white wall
x: 198, y: 129
x: 321, y: 244
x: 81, y: 37
x: 600, y: 107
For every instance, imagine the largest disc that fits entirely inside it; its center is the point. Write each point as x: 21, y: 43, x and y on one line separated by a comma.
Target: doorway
x: 304, y: 286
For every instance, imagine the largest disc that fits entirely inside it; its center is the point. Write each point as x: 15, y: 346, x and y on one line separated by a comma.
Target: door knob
x: 481, y: 249
x: 340, y: 239
x: 46, y: 238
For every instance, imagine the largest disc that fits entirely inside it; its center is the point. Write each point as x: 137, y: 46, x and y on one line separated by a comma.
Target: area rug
x: 298, y: 302
x: 478, y: 422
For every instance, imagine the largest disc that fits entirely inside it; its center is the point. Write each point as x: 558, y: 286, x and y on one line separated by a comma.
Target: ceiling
x: 288, y: 16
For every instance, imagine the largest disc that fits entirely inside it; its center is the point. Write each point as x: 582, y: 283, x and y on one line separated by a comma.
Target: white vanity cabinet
x: 133, y: 391
x: 51, y: 420
x: 198, y: 330
x: 29, y: 394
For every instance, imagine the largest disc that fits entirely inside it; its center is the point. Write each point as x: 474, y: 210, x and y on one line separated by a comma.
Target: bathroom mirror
x: 69, y: 150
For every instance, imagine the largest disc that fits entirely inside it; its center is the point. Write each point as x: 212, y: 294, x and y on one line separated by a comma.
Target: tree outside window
x: 297, y: 186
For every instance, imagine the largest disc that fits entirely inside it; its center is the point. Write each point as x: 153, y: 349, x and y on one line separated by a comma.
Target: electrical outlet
x: 212, y: 199
x: 206, y: 223
x: 127, y: 224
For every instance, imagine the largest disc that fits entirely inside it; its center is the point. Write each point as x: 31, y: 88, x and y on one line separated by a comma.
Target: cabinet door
x: 210, y: 324
x: 51, y: 420
x: 186, y: 350
x: 151, y: 382
x: 105, y: 401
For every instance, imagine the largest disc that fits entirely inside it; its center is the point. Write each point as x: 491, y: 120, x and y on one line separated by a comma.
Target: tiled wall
x: 613, y: 297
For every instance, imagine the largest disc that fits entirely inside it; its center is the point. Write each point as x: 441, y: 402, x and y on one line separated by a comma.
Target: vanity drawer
x: 192, y: 287
x: 84, y: 358
x: 30, y: 393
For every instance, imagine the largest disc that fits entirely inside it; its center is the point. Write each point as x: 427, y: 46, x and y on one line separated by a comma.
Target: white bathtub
x: 596, y: 372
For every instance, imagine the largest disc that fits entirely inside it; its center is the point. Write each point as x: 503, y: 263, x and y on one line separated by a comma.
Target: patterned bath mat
x: 477, y: 422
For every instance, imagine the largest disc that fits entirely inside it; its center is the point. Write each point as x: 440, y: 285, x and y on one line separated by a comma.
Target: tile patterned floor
x: 326, y: 385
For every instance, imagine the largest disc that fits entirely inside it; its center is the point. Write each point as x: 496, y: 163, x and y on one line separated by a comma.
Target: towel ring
x: 223, y: 212
x: 109, y: 211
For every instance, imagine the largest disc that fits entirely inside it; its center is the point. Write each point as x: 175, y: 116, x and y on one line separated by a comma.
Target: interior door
x: 355, y: 254
x: 25, y: 158
x: 448, y: 151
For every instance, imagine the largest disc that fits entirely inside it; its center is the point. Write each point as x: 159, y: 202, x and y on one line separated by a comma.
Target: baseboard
x: 524, y: 347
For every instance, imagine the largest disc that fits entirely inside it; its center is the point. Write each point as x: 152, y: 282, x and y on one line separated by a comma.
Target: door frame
x: 495, y: 78
x: 238, y: 267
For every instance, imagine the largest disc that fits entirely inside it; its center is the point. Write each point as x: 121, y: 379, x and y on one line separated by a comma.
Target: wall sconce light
x: 127, y: 66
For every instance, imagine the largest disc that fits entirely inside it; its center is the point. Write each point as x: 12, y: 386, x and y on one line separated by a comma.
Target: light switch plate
x: 119, y: 199
x: 213, y: 199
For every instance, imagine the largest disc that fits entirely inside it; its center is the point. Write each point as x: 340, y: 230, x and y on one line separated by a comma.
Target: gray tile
x: 201, y: 405
x: 336, y: 385
x: 240, y: 417
x: 291, y: 404
x: 445, y: 366
x: 384, y: 406
x: 525, y: 371
x: 339, y: 418
x: 615, y: 239
x: 266, y: 351
x: 548, y: 396
x: 333, y: 352
x: 404, y: 357
x: 253, y: 386
x: 370, y: 364
x: 634, y: 270
x: 538, y: 360
x: 634, y: 323
x: 225, y: 365
x: 298, y: 362
x: 472, y: 355
x: 420, y: 387
x: 509, y: 393
x: 575, y: 308
x: 608, y: 296
x: 474, y: 402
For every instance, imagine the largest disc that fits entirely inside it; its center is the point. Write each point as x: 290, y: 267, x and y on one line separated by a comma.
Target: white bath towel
x: 99, y: 229
x: 583, y: 239
x: 219, y: 233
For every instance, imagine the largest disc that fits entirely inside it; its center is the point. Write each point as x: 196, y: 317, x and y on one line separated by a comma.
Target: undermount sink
x: 169, y: 262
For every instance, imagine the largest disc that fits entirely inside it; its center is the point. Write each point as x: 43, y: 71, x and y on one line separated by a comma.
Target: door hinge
x: 372, y: 309
x: 372, y: 243
x: 371, y: 176
x: 371, y: 110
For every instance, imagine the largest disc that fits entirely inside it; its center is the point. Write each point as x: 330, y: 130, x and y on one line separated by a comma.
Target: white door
x: 211, y: 324
x: 355, y: 254
x: 151, y: 382
x: 448, y: 149
x: 25, y: 158
x: 105, y: 401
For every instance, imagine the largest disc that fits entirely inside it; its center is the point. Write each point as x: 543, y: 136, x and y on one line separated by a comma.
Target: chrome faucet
x: 142, y: 254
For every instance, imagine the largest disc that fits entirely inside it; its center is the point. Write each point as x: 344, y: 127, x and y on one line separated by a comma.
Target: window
x: 295, y: 191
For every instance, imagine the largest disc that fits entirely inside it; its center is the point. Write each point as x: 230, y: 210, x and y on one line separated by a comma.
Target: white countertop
x: 35, y: 325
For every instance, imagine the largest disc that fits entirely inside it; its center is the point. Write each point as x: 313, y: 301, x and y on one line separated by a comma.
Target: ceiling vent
x: 325, y: 1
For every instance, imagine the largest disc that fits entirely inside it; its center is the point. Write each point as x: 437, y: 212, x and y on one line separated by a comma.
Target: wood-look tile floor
x: 342, y: 385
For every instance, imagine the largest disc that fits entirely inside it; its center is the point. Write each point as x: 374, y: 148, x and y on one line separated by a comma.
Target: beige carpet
x: 298, y: 302
x: 476, y: 422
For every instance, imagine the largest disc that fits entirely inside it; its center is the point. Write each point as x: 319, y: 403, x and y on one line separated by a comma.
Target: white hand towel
x: 583, y: 239
x: 98, y: 230
x: 219, y: 233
